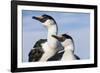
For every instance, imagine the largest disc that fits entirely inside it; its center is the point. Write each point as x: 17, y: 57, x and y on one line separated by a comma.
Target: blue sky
x: 75, y: 24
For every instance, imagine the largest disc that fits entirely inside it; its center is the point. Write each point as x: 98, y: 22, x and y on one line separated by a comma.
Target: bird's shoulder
x: 39, y: 42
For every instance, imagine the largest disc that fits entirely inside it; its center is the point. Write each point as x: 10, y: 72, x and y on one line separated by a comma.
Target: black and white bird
x: 68, y: 44
x: 50, y: 45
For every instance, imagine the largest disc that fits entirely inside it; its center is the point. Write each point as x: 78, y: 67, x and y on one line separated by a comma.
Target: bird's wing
x: 57, y: 56
x: 36, y: 53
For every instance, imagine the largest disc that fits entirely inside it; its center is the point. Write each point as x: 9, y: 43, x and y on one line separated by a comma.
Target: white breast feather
x: 48, y: 52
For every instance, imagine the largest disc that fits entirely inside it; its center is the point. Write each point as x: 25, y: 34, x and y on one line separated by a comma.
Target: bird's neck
x: 53, y: 30
x: 68, y: 54
x: 69, y: 47
x: 51, y: 45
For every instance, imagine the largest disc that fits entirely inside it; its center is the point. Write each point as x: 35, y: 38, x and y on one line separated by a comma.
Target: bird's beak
x: 59, y: 38
x: 37, y: 18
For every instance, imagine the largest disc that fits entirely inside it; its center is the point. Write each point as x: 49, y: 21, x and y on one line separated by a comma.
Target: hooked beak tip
x: 33, y: 17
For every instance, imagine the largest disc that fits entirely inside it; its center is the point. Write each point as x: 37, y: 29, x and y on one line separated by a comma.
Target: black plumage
x: 77, y: 57
x: 39, y: 42
x: 36, y: 53
x: 56, y: 57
